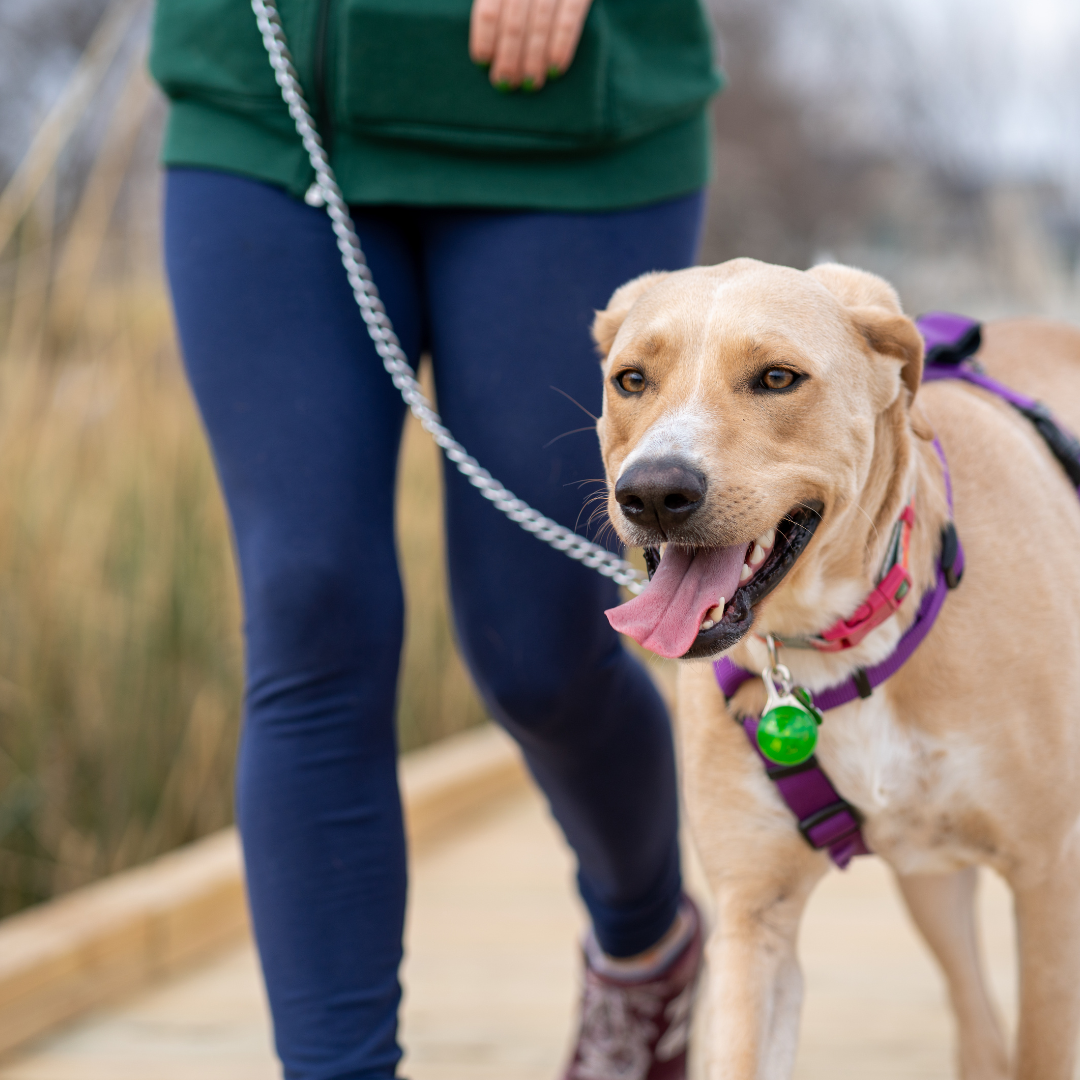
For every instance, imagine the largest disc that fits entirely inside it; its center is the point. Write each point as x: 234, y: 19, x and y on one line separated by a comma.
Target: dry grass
x: 119, y: 656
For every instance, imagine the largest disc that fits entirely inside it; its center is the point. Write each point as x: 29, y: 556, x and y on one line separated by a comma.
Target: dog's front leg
x: 761, y: 872
x: 755, y: 984
x: 1048, y: 933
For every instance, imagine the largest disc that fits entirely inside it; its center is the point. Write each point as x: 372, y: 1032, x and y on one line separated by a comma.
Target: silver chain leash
x: 385, y: 340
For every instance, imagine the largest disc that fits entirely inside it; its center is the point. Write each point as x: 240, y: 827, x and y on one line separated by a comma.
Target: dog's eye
x: 633, y: 382
x: 778, y: 379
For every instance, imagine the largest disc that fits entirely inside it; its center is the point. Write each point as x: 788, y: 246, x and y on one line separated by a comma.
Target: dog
x: 769, y: 426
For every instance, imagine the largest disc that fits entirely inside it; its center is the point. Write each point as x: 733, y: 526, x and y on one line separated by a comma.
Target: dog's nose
x: 663, y: 493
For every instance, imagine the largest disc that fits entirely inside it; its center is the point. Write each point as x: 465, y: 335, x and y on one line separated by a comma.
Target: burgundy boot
x: 639, y: 1030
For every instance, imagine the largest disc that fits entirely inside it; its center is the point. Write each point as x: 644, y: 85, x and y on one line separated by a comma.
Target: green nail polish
x: 554, y: 72
x: 503, y: 86
x: 528, y: 84
x: 485, y: 64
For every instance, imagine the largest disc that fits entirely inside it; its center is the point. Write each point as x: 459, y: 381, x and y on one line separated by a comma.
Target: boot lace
x: 617, y: 1030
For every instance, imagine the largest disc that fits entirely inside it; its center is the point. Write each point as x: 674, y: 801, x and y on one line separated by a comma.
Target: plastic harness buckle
x: 950, y: 548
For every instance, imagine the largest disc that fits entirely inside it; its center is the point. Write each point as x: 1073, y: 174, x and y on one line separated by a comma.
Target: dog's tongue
x: 666, y: 617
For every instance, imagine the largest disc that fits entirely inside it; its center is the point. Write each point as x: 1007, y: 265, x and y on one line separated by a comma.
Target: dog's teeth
x: 757, y: 555
x: 767, y: 539
x: 716, y: 613
x: 708, y: 624
x: 745, y: 574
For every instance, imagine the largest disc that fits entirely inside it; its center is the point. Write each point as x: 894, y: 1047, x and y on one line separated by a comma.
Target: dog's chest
x: 914, y: 789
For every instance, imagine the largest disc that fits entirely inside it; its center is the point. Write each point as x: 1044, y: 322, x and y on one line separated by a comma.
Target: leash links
x: 326, y: 192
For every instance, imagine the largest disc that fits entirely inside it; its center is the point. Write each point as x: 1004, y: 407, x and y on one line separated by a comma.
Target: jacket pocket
x: 402, y: 71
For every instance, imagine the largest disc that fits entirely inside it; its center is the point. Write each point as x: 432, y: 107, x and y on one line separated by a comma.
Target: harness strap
x: 951, y: 341
x: 824, y: 818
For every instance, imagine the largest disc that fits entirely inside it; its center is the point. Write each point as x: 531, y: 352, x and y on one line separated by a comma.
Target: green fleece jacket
x: 409, y: 119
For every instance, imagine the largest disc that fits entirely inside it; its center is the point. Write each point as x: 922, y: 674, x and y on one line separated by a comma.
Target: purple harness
x: 825, y: 819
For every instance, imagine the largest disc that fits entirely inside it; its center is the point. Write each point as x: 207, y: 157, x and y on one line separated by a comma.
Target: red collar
x: 883, y: 602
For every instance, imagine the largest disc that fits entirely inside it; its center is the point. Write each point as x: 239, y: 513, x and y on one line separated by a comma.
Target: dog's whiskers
x: 605, y: 529
x: 577, y: 403
x: 589, y: 521
x: 598, y: 499
x: 798, y: 524
x: 600, y: 509
x: 575, y: 431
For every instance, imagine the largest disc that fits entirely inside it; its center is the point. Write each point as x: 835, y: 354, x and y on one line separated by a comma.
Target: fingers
x: 535, y: 61
x: 483, y: 30
x: 525, y: 42
x: 506, y: 63
x: 565, y: 33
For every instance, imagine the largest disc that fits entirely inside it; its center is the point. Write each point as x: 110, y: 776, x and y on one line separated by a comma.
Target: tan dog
x: 744, y: 400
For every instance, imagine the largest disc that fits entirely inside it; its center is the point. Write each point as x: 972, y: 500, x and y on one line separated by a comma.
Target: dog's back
x: 1039, y: 358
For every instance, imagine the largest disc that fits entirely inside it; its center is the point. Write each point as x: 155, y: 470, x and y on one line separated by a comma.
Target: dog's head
x: 750, y: 409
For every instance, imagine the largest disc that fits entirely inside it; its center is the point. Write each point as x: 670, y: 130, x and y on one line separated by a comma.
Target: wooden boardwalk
x: 491, y: 979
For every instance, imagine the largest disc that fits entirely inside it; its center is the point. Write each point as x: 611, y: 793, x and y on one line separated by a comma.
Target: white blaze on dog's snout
x: 678, y: 433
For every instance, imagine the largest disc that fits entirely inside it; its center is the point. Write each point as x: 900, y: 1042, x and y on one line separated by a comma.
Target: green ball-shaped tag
x: 787, y: 735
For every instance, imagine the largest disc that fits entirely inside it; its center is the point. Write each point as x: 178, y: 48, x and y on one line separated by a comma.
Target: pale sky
x: 991, y: 86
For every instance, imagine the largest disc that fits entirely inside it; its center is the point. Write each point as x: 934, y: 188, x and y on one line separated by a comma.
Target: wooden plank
x: 61, y: 958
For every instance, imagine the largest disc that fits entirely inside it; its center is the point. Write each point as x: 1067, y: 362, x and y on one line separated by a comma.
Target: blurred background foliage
x: 932, y: 142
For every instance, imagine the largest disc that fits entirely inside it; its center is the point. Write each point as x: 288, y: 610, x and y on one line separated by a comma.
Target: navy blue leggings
x: 305, y: 426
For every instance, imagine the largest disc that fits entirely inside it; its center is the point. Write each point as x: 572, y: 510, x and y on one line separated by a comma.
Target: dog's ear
x: 607, y: 322
x: 874, y: 308
x: 895, y: 336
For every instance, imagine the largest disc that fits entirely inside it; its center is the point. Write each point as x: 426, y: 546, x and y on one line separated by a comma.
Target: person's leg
x: 305, y: 425
x: 511, y: 297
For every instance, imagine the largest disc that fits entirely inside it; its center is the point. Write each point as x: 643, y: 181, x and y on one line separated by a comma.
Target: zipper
x: 322, y: 102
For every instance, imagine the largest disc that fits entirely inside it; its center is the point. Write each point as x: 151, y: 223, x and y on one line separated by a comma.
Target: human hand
x: 525, y: 41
